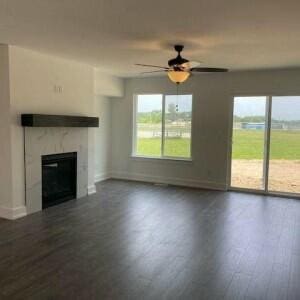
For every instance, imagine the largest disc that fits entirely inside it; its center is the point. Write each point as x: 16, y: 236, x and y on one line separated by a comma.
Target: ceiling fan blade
x: 191, y: 64
x: 152, y: 66
x: 208, y: 70
x: 149, y: 72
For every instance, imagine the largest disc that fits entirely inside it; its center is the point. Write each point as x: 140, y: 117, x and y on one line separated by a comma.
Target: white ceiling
x: 115, y: 34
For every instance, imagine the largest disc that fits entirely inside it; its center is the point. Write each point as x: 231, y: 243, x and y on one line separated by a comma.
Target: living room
x: 156, y: 157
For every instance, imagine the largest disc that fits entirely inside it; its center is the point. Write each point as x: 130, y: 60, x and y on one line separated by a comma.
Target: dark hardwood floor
x: 140, y: 241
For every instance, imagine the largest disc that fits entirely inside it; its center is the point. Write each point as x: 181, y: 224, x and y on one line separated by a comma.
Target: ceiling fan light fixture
x: 179, y: 69
x: 178, y: 76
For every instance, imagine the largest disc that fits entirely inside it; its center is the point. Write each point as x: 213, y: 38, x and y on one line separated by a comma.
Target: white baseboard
x: 102, y: 177
x: 91, y: 189
x: 12, y: 213
x: 169, y: 180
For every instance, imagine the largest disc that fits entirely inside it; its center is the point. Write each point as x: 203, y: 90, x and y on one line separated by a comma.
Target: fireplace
x: 59, y: 182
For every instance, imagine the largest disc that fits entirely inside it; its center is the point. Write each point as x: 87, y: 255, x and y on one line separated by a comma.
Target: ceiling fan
x: 179, y: 69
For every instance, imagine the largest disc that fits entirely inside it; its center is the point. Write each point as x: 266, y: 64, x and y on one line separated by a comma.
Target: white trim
x: 169, y: 180
x: 13, y: 213
x: 161, y: 159
x: 267, y: 141
x: 134, y: 125
x: 229, y: 144
x: 91, y: 189
x: 101, y: 177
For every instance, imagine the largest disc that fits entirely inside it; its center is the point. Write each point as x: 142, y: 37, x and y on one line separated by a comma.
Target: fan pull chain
x: 176, y: 106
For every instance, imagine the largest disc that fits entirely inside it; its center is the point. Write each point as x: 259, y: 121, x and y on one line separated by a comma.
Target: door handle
x: 54, y: 165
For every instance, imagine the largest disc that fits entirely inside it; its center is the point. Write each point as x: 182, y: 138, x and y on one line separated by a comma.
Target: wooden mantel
x: 40, y: 120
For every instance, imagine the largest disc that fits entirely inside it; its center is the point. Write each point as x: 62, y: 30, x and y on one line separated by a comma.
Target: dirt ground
x: 284, y: 175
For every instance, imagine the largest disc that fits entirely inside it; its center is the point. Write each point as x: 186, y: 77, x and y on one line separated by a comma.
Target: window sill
x: 161, y: 159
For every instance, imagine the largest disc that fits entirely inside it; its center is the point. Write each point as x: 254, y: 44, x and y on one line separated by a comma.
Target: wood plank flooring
x: 140, y: 241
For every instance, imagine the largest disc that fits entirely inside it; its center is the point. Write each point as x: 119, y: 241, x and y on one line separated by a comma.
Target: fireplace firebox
x: 59, y: 182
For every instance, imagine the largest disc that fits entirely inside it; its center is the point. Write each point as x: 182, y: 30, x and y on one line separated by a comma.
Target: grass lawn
x: 179, y: 147
x: 247, y: 144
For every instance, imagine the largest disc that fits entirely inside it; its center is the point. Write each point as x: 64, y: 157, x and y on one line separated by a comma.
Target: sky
x: 283, y: 108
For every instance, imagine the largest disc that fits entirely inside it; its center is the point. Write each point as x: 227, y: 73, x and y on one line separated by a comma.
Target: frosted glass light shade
x: 178, y: 76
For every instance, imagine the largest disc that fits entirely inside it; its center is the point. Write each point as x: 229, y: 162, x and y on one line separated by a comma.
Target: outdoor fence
x: 171, y: 130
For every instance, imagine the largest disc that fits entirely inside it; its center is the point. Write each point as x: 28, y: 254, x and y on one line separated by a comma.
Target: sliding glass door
x: 248, y: 142
x: 284, y: 163
x: 266, y: 144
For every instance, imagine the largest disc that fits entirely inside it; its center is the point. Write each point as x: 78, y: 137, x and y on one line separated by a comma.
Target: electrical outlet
x: 57, y: 89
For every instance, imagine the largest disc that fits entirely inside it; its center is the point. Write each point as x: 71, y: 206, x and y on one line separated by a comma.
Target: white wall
x: 32, y: 80
x: 212, y: 96
x: 5, y: 145
x: 108, y: 85
x: 103, y: 139
x: 40, y: 83
x: 106, y: 89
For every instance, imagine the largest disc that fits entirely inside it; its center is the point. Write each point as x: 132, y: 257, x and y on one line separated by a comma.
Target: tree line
x: 171, y: 114
x: 262, y: 119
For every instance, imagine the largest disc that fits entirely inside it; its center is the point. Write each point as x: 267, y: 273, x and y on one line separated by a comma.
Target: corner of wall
x: 13, y: 213
x: 91, y: 189
x: 6, y: 190
x: 102, y: 176
x: 108, y: 85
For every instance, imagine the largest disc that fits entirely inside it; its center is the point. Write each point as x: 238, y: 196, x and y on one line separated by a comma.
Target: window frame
x: 134, y: 131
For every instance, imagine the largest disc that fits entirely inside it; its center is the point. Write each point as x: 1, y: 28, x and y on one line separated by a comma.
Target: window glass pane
x: 284, y: 165
x: 248, y: 142
x: 149, y: 125
x: 178, y: 121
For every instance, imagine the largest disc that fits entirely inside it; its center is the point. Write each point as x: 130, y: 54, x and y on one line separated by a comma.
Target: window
x: 149, y: 125
x: 163, y: 126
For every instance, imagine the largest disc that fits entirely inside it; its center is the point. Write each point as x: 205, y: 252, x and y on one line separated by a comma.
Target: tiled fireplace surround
x: 52, y: 140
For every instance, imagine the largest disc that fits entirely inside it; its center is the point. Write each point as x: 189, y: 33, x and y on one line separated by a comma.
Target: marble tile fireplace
x: 56, y: 159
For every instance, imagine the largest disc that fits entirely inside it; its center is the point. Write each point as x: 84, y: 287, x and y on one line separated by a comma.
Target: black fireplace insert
x: 59, y: 182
